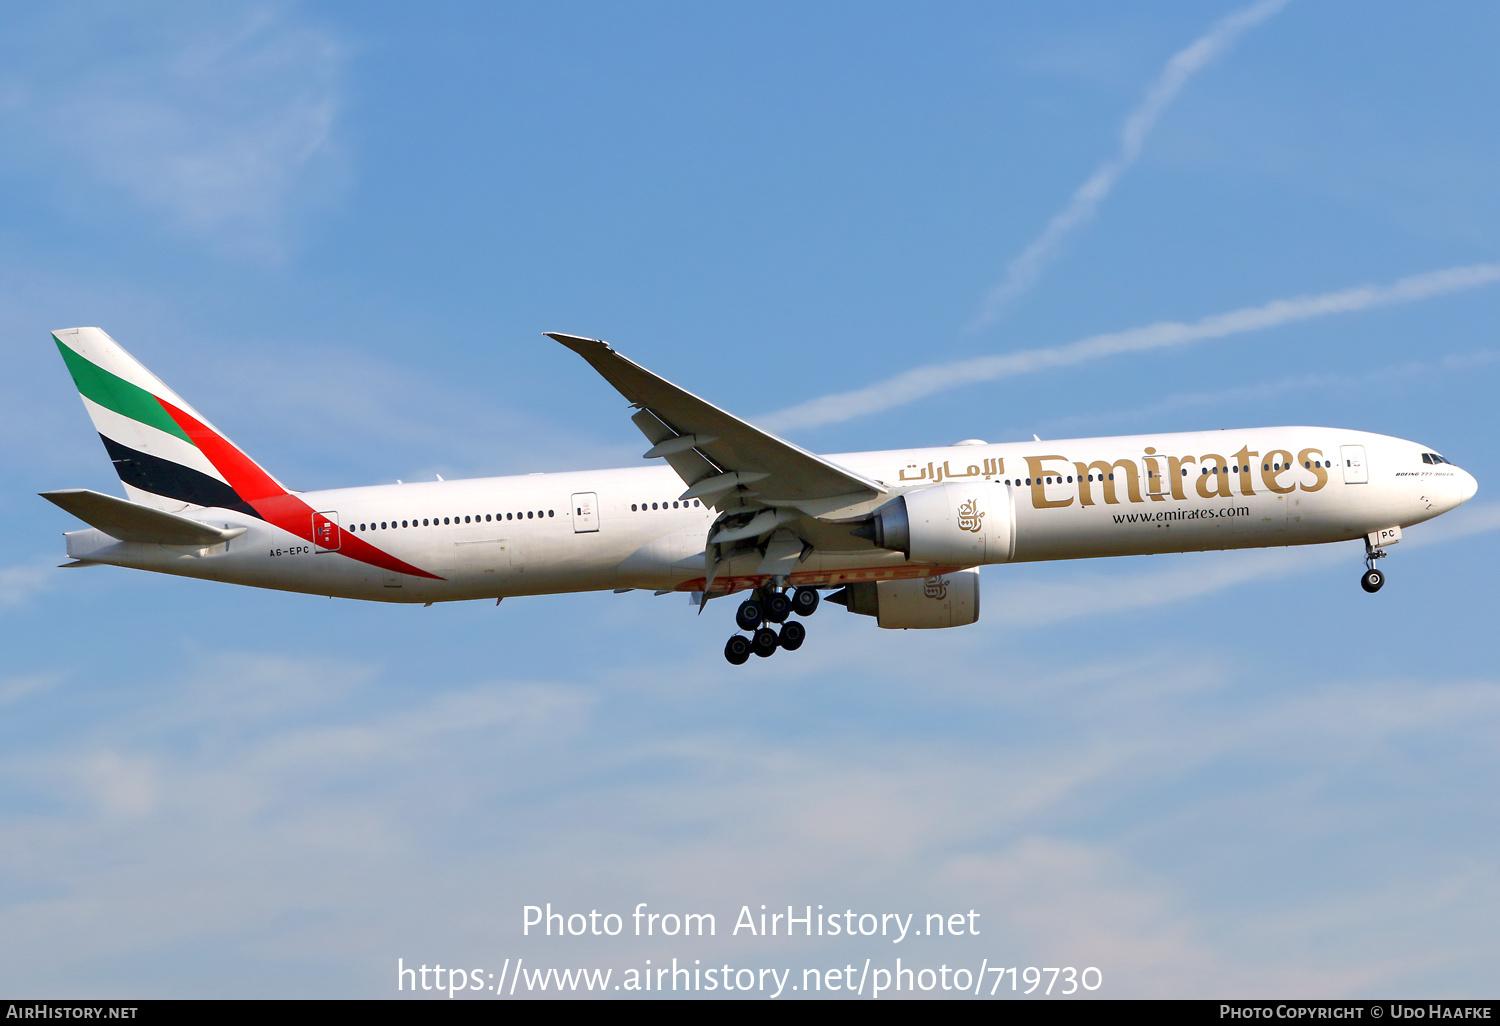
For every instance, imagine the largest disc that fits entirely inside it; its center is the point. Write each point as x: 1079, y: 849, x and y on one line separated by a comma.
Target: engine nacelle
x: 950, y: 525
x: 947, y: 600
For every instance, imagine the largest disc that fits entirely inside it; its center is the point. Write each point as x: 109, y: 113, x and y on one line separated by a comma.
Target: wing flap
x: 132, y: 522
x: 690, y: 464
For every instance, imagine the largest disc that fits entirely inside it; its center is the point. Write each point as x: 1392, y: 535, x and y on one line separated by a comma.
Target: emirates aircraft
x: 729, y: 509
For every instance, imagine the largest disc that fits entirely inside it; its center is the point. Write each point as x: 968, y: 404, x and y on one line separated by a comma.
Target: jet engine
x: 946, y: 600
x: 950, y: 525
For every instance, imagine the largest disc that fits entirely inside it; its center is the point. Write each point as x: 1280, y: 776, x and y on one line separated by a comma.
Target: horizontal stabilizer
x: 133, y: 522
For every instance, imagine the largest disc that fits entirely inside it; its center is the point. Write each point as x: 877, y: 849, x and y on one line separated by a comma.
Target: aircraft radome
x: 900, y: 534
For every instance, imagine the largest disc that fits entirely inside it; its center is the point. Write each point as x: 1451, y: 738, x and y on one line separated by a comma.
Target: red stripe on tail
x: 274, y: 503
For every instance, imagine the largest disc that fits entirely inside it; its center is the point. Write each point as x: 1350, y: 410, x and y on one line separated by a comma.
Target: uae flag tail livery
x: 171, y: 459
x: 167, y: 455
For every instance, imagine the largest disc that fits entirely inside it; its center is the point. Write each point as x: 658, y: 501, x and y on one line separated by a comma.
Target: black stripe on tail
x: 172, y: 480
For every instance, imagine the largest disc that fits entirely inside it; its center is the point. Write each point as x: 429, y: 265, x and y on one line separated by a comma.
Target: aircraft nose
x: 1467, y: 486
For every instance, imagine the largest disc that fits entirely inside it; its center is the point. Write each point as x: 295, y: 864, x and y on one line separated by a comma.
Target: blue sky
x: 340, y: 229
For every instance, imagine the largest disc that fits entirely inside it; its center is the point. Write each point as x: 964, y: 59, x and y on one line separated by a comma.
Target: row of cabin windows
x: 641, y: 507
x: 539, y: 514
x: 1202, y: 471
x: 1288, y: 466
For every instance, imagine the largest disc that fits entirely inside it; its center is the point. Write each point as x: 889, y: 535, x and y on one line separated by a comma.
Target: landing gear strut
x: 770, y: 605
x: 1372, y: 580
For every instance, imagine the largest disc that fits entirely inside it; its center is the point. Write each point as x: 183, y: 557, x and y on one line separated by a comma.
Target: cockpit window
x: 1432, y: 457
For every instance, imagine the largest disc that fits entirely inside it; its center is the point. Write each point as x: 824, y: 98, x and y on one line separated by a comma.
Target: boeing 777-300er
x: 900, y: 534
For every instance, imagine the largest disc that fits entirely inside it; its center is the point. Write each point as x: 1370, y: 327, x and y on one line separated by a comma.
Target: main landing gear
x: 765, y: 607
x: 1372, y: 580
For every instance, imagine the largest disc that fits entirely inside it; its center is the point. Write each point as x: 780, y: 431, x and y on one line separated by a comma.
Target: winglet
x: 579, y: 344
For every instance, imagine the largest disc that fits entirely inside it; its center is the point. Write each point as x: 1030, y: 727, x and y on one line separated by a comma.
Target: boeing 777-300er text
x: 899, y: 533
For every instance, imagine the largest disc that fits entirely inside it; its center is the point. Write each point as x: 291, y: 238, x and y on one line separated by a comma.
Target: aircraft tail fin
x: 167, y: 455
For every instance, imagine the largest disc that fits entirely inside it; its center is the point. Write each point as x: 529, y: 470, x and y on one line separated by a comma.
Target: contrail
x: 924, y: 381
x: 1027, y: 267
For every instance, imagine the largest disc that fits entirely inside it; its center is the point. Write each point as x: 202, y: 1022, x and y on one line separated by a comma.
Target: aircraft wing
x: 723, y: 460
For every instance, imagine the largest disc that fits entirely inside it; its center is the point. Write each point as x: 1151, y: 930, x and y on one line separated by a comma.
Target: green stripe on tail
x: 114, y: 393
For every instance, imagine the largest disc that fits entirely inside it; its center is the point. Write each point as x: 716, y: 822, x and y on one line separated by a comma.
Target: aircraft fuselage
x: 628, y: 528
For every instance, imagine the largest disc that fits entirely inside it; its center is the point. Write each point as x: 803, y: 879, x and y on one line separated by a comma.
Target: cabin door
x: 326, y: 531
x: 585, y: 512
x: 1353, y: 458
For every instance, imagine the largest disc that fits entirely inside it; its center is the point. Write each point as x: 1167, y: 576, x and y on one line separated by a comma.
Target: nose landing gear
x: 768, y: 606
x: 1372, y: 580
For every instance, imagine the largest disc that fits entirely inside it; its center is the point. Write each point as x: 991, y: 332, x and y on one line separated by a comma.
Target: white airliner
x: 900, y: 533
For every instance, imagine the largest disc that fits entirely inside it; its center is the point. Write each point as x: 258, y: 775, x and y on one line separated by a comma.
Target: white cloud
x: 1029, y: 264
x: 325, y: 844
x: 15, y: 689
x: 215, y: 117
x: 18, y: 584
x: 921, y: 382
x: 1325, y: 382
x: 391, y: 421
